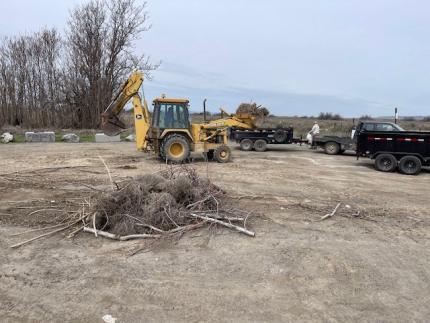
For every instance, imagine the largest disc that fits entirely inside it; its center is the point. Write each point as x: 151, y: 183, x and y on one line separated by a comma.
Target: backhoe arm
x: 112, y: 125
x: 242, y: 121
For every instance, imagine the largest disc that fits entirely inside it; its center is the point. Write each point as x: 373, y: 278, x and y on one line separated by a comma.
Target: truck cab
x: 334, y: 145
x: 378, y: 126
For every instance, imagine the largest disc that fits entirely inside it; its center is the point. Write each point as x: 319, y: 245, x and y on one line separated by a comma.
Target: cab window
x: 384, y: 127
x: 172, y: 115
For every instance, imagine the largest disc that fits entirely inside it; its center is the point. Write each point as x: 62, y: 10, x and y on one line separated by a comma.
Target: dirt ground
x: 368, y: 263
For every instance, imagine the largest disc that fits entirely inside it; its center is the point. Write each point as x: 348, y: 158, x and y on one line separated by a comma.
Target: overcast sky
x: 298, y: 57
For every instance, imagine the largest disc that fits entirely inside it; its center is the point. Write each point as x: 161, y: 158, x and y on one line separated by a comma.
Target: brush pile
x: 156, y: 205
x: 253, y: 109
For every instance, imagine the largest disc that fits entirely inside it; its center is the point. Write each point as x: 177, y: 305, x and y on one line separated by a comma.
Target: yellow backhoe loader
x: 167, y: 131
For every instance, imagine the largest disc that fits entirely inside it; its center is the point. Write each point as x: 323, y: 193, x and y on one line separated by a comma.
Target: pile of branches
x: 160, y: 205
x: 253, y: 109
x: 155, y: 205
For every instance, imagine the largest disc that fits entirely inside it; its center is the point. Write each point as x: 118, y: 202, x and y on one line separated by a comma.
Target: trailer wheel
x: 386, y: 163
x: 331, y: 148
x: 260, y: 145
x: 246, y: 144
x: 222, y: 154
x: 280, y: 136
x: 410, y: 165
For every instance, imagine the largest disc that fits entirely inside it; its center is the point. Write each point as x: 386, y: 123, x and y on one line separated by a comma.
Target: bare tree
x: 49, y: 81
x: 100, y: 40
x: 29, y: 79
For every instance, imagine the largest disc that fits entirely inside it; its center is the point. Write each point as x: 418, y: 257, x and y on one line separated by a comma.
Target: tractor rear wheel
x: 176, y: 148
x: 222, y: 154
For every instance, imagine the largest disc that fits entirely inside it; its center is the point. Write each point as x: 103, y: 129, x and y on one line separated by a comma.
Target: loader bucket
x: 111, y: 125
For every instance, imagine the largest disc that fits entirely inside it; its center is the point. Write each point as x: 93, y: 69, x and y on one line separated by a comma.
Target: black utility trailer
x: 258, y: 139
x: 406, y: 151
x: 334, y: 145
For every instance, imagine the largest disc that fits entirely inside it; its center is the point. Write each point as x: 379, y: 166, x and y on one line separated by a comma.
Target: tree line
x: 50, y: 79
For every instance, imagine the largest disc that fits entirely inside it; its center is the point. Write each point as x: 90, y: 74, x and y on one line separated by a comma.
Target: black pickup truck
x: 406, y: 151
x: 258, y: 139
x: 334, y: 145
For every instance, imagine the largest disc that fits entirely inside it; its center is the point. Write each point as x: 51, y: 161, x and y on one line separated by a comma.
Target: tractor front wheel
x: 222, y: 154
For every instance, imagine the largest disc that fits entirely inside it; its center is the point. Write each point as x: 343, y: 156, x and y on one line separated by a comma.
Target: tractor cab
x: 170, y: 114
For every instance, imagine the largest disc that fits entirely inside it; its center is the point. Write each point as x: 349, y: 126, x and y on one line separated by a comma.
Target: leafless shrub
x: 161, y: 203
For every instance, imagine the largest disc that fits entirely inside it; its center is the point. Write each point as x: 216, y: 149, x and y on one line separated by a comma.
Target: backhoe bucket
x: 111, y: 125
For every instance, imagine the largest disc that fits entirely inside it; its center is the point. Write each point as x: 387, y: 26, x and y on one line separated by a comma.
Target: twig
x: 143, y: 224
x: 73, y: 233
x: 37, y: 211
x: 329, y: 215
x: 47, y: 234
x: 39, y: 229
x: 108, y: 171
x: 94, y: 224
x: 121, y: 238
x: 188, y: 227
x: 228, y: 225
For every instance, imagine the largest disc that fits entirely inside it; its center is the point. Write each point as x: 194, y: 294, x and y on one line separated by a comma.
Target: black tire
x: 222, y: 154
x: 331, y: 148
x: 260, y: 145
x: 280, y: 136
x: 410, y: 165
x: 176, y: 148
x: 246, y: 144
x: 386, y: 163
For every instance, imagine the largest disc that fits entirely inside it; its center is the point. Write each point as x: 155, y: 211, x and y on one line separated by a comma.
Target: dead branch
x: 47, y: 234
x: 228, y: 225
x: 329, y: 215
x: 108, y: 171
x: 121, y: 238
x: 39, y: 229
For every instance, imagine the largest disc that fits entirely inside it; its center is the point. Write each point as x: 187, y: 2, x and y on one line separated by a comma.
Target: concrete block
x: 130, y: 138
x: 47, y: 136
x: 70, y: 137
x: 6, y: 137
x: 101, y: 137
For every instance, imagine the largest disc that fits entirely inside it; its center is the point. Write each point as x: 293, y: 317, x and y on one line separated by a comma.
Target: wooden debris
x: 329, y: 215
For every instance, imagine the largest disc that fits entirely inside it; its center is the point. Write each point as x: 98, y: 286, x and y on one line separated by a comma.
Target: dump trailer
x: 258, y: 139
x: 407, y: 151
x: 334, y: 145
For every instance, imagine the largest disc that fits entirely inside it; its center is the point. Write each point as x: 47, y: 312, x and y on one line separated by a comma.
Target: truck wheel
x: 260, y: 145
x: 410, y: 165
x: 246, y: 144
x: 386, y: 163
x: 176, y: 148
x: 331, y: 148
x: 222, y: 154
x: 280, y: 136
